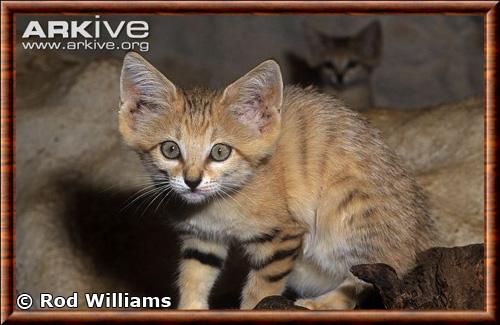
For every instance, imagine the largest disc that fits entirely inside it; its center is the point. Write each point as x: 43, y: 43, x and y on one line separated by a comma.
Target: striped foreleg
x: 201, y: 263
x: 272, y: 258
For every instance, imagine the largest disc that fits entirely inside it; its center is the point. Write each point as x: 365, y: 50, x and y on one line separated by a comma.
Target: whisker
x: 231, y: 197
x: 148, y: 190
x: 166, y: 192
x: 161, y: 190
x: 241, y: 193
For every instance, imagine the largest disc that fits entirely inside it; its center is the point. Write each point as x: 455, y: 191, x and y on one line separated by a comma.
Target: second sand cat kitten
x: 343, y: 65
x: 304, y: 184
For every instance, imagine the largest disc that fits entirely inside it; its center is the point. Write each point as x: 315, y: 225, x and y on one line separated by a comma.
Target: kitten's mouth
x: 337, y: 84
x: 196, y: 196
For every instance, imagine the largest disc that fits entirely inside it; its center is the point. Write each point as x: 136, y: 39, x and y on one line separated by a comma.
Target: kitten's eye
x: 352, y: 64
x: 220, y: 152
x: 170, y: 149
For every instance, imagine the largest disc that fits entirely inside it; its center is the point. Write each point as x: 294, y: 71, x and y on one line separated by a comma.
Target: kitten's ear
x: 255, y: 99
x: 316, y: 43
x: 369, y: 41
x: 143, y: 89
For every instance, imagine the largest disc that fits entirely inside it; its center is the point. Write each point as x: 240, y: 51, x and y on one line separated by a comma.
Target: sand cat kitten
x: 344, y: 64
x: 304, y: 184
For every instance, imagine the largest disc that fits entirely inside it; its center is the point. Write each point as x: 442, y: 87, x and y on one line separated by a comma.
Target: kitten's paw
x: 334, y: 303
x: 193, y: 305
x: 306, y: 303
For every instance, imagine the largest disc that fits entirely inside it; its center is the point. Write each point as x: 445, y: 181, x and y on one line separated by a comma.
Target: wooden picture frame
x: 488, y: 9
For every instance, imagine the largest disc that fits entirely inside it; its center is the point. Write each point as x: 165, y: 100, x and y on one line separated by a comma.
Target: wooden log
x: 443, y: 278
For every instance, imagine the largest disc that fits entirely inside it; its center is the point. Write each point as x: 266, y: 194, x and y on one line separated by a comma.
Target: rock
x: 443, y: 147
x: 278, y: 303
x: 443, y: 278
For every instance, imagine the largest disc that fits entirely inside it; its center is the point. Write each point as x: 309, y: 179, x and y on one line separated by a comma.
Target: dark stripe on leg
x: 186, y: 232
x: 277, y: 256
x: 262, y: 238
x: 277, y: 277
x: 204, y: 258
x: 290, y: 237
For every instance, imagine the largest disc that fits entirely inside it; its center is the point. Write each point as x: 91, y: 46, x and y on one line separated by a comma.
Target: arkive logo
x: 97, y: 28
x: 91, y: 34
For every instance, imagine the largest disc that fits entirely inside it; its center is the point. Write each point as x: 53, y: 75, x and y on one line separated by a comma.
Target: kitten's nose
x: 340, y: 78
x: 192, y: 183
